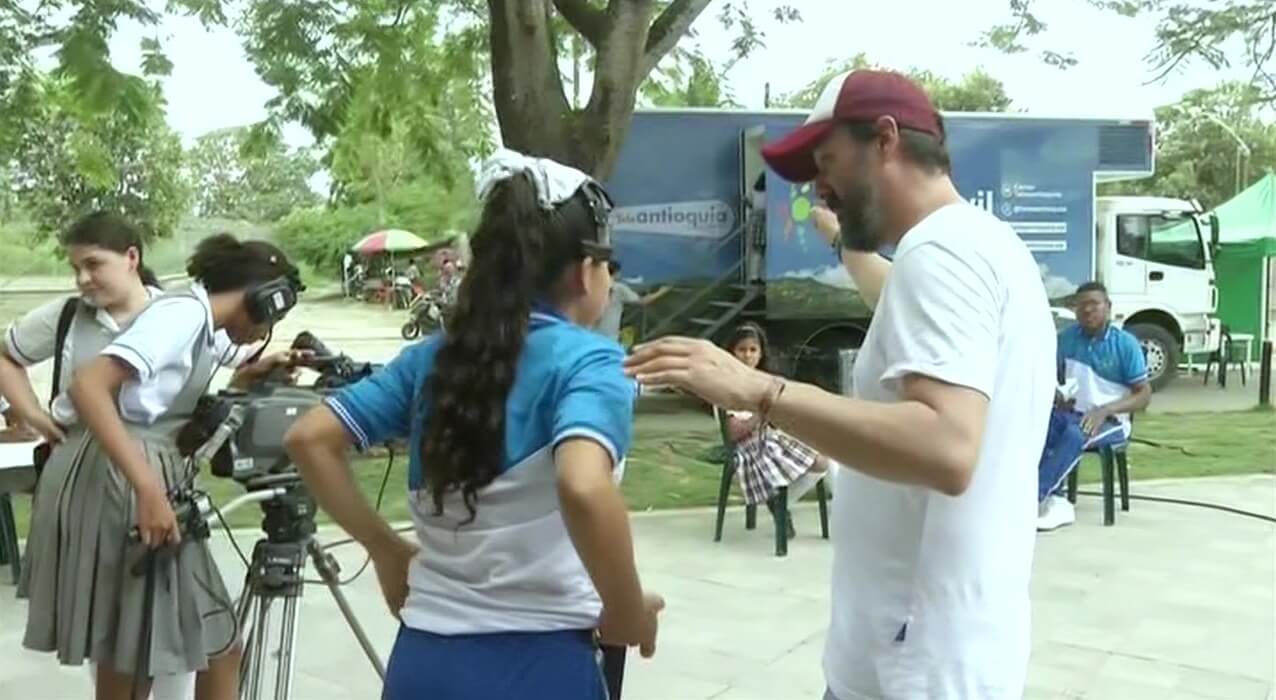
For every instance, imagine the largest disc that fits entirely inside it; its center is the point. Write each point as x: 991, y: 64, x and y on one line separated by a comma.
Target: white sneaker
x: 1055, y: 513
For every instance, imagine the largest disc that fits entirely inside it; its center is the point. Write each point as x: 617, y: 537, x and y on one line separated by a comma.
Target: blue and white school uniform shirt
x: 1106, y: 366
x: 514, y: 567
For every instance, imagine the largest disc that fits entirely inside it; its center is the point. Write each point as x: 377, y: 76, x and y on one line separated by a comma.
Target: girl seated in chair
x: 767, y: 458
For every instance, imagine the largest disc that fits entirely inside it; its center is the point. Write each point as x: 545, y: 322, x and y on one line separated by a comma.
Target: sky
x: 213, y: 84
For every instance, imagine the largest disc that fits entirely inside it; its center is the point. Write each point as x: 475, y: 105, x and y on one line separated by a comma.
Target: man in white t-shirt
x: 933, y: 522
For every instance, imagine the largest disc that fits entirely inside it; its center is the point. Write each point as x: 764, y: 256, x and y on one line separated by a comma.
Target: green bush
x: 321, y: 235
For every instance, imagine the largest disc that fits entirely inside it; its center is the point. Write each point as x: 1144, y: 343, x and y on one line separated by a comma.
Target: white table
x: 16, y: 475
x: 15, y: 455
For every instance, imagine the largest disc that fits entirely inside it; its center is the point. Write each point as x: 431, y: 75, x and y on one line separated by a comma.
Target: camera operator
x: 133, y: 398
x: 518, y: 418
x: 106, y: 254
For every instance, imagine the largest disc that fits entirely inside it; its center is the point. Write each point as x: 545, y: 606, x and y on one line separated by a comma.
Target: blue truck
x: 698, y: 210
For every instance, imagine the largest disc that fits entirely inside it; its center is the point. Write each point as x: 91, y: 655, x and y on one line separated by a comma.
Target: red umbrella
x: 389, y: 241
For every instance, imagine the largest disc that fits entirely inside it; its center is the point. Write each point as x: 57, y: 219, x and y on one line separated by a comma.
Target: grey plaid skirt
x: 84, y: 601
x: 768, y: 459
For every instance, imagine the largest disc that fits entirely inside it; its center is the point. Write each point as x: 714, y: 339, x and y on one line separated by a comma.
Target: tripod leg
x: 243, y: 613
x: 261, y: 637
x: 283, y: 681
x: 327, y: 572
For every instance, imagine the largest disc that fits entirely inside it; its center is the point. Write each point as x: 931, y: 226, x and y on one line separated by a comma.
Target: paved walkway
x: 1171, y: 603
x: 1189, y: 394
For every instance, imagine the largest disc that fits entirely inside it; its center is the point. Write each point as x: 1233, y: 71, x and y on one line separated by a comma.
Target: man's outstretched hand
x: 701, y: 368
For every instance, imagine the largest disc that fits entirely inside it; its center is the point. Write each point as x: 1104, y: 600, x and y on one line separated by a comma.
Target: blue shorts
x: 1065, y: 443
x: 500, y: 666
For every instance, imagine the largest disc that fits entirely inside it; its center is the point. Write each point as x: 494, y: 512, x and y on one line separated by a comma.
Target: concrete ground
x: 1171, y: 603
x: 1190, y: 394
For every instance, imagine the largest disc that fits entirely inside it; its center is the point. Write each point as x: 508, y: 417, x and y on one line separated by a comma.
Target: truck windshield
x: 1169, y: 238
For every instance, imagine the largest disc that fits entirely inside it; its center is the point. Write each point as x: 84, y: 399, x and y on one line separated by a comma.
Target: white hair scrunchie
x: 555, y: 183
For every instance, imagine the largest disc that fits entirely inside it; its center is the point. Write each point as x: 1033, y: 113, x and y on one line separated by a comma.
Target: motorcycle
x: 425, y: 315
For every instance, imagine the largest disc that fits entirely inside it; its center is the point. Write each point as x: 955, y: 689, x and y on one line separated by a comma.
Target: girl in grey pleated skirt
x: 84, y: 601
x: 120, y: 471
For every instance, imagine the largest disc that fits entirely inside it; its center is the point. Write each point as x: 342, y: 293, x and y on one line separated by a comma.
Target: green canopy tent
x: 1247, y: 239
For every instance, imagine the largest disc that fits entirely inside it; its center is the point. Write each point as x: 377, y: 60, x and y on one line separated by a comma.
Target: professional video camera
x: 240, y: 432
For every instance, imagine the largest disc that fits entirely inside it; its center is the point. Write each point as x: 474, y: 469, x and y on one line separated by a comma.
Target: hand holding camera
x: 156, y: 521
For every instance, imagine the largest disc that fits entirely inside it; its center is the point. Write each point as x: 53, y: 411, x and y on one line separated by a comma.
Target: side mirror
x: 1214, y: 233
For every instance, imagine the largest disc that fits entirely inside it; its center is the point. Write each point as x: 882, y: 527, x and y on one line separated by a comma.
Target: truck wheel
x: 1161, y: 350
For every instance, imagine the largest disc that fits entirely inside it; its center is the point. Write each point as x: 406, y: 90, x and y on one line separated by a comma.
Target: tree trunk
x: 619, y: 69
x: 527, y: 89
x: 532, y: 107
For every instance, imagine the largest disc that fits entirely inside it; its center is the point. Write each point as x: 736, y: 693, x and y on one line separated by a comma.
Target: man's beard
x: 859, y: 217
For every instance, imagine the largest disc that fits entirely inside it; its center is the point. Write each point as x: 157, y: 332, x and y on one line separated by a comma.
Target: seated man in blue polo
x: 1105, y: 378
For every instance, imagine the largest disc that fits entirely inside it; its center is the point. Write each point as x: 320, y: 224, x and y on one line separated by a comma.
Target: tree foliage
x: 63, y: 163
x: 320, y: 235
x: 976, y: 91
x: 429, y: 62
x: 1197, y: 155
x: 1220, y: 33
x: 691, y: 80
x: 234, y: 181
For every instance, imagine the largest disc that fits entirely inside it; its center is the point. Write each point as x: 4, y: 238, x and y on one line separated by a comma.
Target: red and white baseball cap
x: 859, y: 96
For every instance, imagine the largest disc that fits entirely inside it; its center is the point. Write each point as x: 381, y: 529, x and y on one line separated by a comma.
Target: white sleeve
x: 160, y: 336
x: 31, y: 339
x: 942, y: 319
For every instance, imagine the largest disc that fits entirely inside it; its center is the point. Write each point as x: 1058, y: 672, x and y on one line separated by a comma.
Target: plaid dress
x: 768, y: 459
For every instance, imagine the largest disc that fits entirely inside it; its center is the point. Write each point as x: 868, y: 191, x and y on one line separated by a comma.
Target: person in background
x: 449, y: 282
x: 1104, y: 379
x: 519, y: 419
x: 618, y: 297
x: 766, y: 457
x: 115, y: 474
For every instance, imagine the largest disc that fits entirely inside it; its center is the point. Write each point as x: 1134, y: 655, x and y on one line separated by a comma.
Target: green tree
x: 320, y: 235
x: 691, y: 80
x: 236, y: 182
x: 65, y: 164
x: 1197, y: 154
x: 427, y: 60
x: 976, y: 91
x: 77, y: 35
x: 1218, y: 33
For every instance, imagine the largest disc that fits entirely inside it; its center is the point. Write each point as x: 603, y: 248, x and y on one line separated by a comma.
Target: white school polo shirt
x: 159, y: 346
x: 930, y: 592
x: 32, y: 339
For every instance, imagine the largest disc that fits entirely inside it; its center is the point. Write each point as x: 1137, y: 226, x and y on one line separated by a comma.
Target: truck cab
x: 1154, y: 254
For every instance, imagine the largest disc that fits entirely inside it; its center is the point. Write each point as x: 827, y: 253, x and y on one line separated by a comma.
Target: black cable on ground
x: 1185, y: 502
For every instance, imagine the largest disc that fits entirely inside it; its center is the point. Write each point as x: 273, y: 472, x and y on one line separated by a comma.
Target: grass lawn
x: 669, y: 465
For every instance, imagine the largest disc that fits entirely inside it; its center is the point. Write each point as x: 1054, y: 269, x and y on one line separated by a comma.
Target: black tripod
x: 276, y: 574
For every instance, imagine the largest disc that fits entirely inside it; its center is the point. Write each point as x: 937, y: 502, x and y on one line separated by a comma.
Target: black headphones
x: 268, y: 302
x: 600, y: 205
